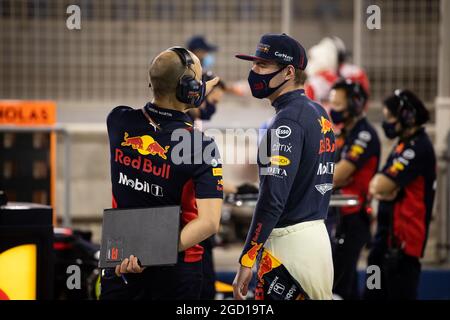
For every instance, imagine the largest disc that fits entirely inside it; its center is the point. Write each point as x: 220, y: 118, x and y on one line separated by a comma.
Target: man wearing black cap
x: 405, y: 188
x: 203, y: 50
x: 294, y: 189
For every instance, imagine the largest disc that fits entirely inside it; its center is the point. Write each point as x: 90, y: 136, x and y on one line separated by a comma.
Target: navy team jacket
x: 296, y: 179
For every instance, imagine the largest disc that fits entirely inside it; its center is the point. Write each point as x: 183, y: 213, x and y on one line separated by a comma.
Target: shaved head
x: 166, y: 70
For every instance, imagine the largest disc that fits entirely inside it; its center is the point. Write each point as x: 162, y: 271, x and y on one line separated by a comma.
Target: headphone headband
x: 356, y: 95
x: 188, y: 90
x: 406, y: 112
x: 184, y: 55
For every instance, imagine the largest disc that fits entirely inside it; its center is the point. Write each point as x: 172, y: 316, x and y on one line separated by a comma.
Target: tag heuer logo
x: 324, y: 188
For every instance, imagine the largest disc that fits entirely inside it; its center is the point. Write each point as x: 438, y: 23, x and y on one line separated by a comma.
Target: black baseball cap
x: 279, y: 48
x: 199, y: 42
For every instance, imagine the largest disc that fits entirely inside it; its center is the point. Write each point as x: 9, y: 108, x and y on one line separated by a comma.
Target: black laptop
x: 151, y: 234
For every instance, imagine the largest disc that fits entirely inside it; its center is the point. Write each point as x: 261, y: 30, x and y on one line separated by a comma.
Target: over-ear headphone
x: 406, y: 112
x: 188, y: 88
x: 356, y: 95
x: 357, y: 98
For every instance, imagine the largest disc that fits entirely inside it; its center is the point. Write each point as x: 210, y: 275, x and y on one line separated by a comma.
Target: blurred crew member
x: 288, y: 227
x: 357, y: 163
x: 142, y: 154
x: 328, y: 63
x: 203, y: 50
x: 405, y: 187
x: 205, y: 112
x: 206, y: 52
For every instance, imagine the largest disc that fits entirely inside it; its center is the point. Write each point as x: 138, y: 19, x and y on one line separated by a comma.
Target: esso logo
x: 283, y: 132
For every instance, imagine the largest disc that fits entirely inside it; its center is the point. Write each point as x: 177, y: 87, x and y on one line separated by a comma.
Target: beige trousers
x: 305, y: 250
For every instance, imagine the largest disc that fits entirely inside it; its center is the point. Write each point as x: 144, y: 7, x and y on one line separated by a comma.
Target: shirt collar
x: 419, y: 132
x: 358, y: 124
x: 284, y: 99
x: 166, y: 114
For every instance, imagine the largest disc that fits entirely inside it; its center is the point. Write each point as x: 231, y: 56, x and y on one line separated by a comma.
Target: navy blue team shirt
x: 412, y: 166
x: 143, y: 171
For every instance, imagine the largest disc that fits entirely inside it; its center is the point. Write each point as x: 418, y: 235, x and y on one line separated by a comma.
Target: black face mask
x: 338, y: 116
x: 259, y: 83
x: 389, y: 130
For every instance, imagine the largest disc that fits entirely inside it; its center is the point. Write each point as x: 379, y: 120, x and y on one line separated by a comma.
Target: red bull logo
x: 267, y: 264
x: 249, y: 258
x: 325, y: 124
x: 326, y: 146
x: 145, y: 145
x: 143, y: 164
x: 258, y: 86
x: 253, y: 252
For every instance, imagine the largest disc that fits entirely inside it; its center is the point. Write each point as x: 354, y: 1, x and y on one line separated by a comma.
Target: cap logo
x: 263, y: 47
x: 284, y: 56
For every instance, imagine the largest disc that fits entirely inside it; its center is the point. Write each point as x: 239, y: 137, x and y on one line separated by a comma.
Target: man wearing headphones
x: 148, y: 170
x: 405, y: 188
x: 358, y: 159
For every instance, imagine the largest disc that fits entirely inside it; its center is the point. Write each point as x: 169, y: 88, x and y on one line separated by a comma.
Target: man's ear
x: 291, y: 72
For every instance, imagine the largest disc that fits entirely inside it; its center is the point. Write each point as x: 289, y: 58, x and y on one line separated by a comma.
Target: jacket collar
x: 166, y: 114
x: 284, y: 99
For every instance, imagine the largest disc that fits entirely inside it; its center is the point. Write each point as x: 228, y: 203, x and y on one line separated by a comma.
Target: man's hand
x: 210, y: 84
x: 343, y: 173
x: 383, y: 188
x: 241, y: 282
x: 387, y: 196
x: 130, y: 265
